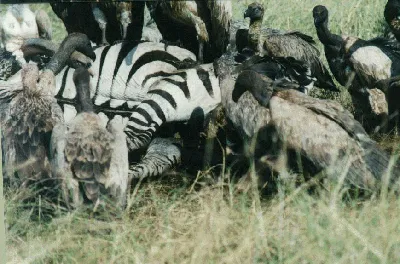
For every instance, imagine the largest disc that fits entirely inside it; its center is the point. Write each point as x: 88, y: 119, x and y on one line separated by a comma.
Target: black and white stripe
x: 173, y: 97
x: 146, y: 85
x: 162, y: 154
x: 119, y: 71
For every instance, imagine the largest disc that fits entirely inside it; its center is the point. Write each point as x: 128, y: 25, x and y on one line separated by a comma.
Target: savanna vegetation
x: 205, y: 218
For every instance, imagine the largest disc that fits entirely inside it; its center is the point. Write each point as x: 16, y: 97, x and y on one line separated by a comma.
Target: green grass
x: 177, y: 219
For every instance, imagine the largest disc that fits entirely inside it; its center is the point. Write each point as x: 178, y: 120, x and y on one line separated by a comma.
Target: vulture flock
x: 133, y: 88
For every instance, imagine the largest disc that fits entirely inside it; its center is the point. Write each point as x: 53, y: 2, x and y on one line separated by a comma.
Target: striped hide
x: 144, y: 85
x: 118, y: 74
x: 161, y: 155
x: 173, y: 97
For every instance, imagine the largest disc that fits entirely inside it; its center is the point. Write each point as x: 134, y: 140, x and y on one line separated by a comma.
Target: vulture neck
x: 60, y: 58
x: 255, y: 34
x: 325, y: 36
x: 83, y: 90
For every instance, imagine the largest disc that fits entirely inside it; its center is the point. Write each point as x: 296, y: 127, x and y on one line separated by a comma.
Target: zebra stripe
x: 167, y: 96
x: 151, y: 56
x: 161, y: 155
x: 169, y: 101
x: 102, y: 59
x: 147, y: 87
x: 162, y: 74
x: 111, y: 88
x: 205, y: 79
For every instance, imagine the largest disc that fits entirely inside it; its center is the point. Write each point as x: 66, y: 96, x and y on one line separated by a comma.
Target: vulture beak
x: 246, y: 14
x: 90, y: 72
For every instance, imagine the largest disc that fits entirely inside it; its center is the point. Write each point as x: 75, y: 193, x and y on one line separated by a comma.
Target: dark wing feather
x: 300, y: 47
x: 393, y: 47
x: 338, y: 134
x: 88, y: 149
x: 303, y: 36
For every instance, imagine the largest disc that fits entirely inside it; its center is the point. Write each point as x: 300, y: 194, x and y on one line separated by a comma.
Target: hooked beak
x: 246, y: 14
x: 90, y: 72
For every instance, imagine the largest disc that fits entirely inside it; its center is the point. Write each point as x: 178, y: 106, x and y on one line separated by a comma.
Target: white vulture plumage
x: 84, y: 152
x: 361, y: 65
x: 203, y: 27
x: 279, y: 44
x: 330, y: 140
x: 27, y: 121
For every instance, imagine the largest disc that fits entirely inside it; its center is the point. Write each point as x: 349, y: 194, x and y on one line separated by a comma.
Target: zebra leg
x: 162, y: 154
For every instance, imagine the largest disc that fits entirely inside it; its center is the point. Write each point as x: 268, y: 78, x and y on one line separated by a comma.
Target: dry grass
x: 215, y: 225
x: 171, y: 222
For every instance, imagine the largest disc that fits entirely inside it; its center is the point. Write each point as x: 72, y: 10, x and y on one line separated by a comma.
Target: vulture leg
x: 201, y: 49
x: 202, y: 34
x: 103, y: 27
x: 102, y: 21
x: 61, y: 169
x: 161, y: 155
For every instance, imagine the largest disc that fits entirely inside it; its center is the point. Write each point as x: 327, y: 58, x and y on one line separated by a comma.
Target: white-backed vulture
x: 28, y: 119
x: 18, y: 23
x: 322, y: 132
x: 84, y: 152
x: 291, y: 44
x: 202, y: 27
x: 359, y: 65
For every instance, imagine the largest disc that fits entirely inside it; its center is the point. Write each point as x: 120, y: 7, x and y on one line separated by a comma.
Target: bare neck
x: 254, y: 34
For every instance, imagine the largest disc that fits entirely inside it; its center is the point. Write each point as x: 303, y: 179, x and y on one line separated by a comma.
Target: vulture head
x: 255, y: 11
x: 320, y: 14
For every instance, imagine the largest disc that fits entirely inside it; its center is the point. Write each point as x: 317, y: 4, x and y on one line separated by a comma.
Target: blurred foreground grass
x: 171, y: 220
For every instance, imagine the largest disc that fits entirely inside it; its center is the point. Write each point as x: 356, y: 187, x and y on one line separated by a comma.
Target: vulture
x: 291, y: 44
x: 337, y: 144
x: 75, y: 42
x: 279, y: 71
x: 29, y: 109
x: 203, y: 27
x: 27, y: 122
x: 392, y: 17
x: 150, y: 29
x: 97, y: 19
x: 349, y: 59
x: 124, y: 16
x: 18, y: 23
x: 40, y: 51
x: 87, y: 154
